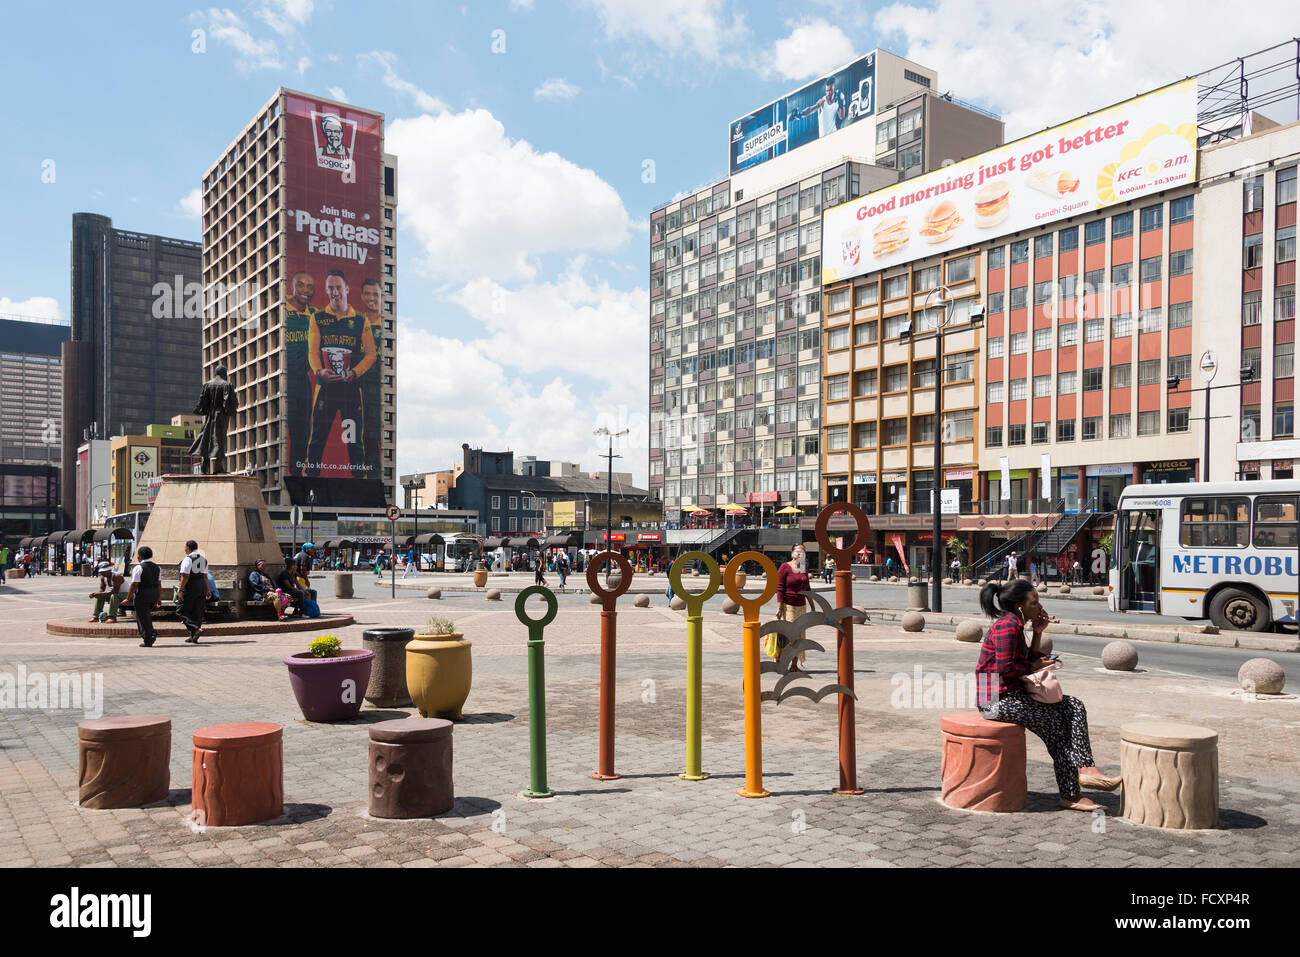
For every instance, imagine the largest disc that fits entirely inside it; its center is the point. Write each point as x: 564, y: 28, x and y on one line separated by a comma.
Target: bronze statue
x: 217, y: 404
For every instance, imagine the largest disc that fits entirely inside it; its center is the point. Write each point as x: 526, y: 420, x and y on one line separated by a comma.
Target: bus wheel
x: 1238, y: 610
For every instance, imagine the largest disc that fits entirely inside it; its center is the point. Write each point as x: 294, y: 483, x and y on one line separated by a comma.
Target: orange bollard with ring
x: 753, y: 716
x: 608, y: 622
x: 844, y: 643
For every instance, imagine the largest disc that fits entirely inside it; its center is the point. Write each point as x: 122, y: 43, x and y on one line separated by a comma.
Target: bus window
x: 1215, y: 522
x: 1275, y: 521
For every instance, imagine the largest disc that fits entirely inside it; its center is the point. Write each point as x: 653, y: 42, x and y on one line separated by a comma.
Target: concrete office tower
x: 735, y: 280
x: 135, y: 350
x: 31, y: 389
x: 299, y: 264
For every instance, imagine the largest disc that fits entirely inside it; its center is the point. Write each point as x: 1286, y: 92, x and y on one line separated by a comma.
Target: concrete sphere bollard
x: 1099, y: 589
x: 913, y: 621
x: 1119, y: 656
x: 493, y: 594
x: 1262, y: 676
x: 433, y: 593
x: 595, y: 599
x: 1041, y: 588
x: 970, y: 630
x: 875, y: 578
x: 729, y: 607
x: 968, y: 582
x: 642, y: 601
x: 893, y: 578
x: 982, y: 582
x: 1063, y: 590
x: 949, y: 581
x: 678, y: 603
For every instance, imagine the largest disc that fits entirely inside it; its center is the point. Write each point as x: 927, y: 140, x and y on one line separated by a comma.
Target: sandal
x: 1078, y: 804
x: 1099, y: 783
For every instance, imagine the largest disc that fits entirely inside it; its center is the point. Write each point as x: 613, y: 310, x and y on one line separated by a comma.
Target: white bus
x: 1226, y: 551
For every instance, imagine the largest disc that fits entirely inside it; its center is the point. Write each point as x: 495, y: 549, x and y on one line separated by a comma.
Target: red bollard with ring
x: 608, y: 633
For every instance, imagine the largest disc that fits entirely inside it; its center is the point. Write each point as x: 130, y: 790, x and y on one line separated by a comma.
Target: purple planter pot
x: 330, y: 689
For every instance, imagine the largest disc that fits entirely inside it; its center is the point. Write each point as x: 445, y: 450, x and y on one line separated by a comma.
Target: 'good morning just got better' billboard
x: 1132, y: 149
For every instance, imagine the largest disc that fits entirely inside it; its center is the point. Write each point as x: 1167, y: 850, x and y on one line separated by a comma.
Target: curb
x: 73, y: 629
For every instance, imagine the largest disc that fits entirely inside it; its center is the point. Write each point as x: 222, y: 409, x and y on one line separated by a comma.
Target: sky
x: 533, y: 137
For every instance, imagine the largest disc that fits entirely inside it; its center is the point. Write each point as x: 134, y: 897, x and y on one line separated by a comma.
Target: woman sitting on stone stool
x: 1004, y: 660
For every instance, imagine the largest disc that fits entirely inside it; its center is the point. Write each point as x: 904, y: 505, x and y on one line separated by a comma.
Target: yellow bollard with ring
x: 694, y: 654
x: 753, y: 716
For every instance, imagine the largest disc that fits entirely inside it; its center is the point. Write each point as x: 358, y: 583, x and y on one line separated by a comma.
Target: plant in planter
x: 329, y: 680
x: 439, y: 670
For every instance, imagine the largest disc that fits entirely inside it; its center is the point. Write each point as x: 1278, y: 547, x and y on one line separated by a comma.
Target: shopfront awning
x: 528, y: 542
x: 427, y: 539
x: 562, y: 541
x: 112, y: 534
x: 337, y: 543
x: 495, y: 542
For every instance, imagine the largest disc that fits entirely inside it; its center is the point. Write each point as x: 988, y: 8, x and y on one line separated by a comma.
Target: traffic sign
x: 393, y: 513
x: 295, y: 516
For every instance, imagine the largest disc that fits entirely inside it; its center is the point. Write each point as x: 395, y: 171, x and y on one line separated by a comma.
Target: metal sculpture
x: 536, y: 688
x: 753, y: 716
x: 608, y: 635
x: 694, y: 654
x: 792, y: 631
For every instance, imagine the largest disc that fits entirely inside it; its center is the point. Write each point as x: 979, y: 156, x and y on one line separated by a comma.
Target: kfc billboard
x: 333, y: 291
x: 1124, y: 152
x: 819, y: 109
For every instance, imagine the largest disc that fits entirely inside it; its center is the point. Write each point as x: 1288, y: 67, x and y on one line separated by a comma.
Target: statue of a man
x: 217, y: 404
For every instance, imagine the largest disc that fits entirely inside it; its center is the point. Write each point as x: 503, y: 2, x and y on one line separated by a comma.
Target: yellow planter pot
x: 438, y: 674
x: 480, y: 578
x: 740, y: 579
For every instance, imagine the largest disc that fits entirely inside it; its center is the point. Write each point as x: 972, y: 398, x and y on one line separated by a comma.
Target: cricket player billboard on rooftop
x: 333, y: 332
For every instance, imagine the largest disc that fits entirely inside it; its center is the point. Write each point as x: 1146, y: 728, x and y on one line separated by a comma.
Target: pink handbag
x: 1042, y: 685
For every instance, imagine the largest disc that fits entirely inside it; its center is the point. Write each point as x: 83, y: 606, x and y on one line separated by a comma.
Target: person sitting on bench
x: 112, y: 588
x: 287, y: 582
x: 262, y: 590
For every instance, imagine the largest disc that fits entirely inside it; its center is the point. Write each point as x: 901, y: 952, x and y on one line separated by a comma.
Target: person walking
x: 1005, y: 658
x: 411, y: 567
x: 145, y: 594
x: 4, y: 562
x: 828, y: 570
x: 193, y: 591
x: 791, y: 588
x: 1077, y: 570
x: 1012, y: 569
x: 539, y: 573
x: 562, y: 567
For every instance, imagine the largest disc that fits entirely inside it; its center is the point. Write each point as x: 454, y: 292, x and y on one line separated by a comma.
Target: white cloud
x: 191, y: 204
x: 699, y: 27
x: 285, y: 17
x: 336, y: 93
x: 811, y: 49
x: 251, y: 53
x: 385, y: 60
x: 1094, y: 54
x: 521, y: 5
x: 303, y: 63
x: 34, y: 309
x: 556, y: 88
x: 482, y: 204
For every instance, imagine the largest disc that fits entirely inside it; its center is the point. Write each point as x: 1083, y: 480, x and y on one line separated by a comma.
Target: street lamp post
x: 976, y: 316
x: 1247, y: 374
x: 609, y: 488
x: 311, y: 515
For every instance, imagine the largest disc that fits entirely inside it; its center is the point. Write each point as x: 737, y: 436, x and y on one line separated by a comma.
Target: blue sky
x: 523, y: 129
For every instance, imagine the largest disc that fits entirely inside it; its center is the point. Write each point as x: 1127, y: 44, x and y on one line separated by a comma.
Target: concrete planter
x: 439, y: 672
x: 480, y: 578
x: 330, y: 689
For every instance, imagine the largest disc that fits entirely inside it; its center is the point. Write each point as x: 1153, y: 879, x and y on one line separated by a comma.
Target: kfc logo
x: 851, y: 251
x: 335, y: 139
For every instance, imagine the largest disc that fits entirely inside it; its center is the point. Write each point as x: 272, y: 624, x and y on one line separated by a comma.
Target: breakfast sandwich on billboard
x: 890, y: 236
x: 1054, y: 182
x: 992, y: 203
x: 941, y: 221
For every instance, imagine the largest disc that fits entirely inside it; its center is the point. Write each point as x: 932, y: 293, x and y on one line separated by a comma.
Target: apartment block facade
x: 31, y: 391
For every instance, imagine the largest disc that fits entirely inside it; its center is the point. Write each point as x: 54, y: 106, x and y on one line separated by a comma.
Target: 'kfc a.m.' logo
x: 335, y: 139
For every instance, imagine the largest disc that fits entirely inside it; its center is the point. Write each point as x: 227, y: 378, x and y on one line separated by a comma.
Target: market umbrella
x: 734, y: 508
x: 790, y: 510
x: 701, y: 513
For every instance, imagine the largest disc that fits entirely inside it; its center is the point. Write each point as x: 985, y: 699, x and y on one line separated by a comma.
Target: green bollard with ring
x: 694, y: 655
x: 536, y: 688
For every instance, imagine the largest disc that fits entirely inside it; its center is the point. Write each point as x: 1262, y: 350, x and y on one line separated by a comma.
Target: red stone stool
x: 238, y: 774
x: 410, y: 768
x: 123, y: 762
x: 983, y: 763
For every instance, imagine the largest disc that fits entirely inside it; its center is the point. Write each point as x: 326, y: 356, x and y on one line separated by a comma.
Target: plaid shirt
x: 1004, y: 657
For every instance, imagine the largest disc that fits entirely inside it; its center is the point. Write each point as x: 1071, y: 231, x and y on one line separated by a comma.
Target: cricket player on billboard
x: 341, y: 351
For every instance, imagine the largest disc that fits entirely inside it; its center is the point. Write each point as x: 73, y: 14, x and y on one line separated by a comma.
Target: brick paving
x: 646, y: 818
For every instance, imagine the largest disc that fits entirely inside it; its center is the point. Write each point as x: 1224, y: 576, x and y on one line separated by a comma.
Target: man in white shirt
x: 1013, y: 568
x: 193, y: 591
x: 830, y: 110
x: 144, y: 595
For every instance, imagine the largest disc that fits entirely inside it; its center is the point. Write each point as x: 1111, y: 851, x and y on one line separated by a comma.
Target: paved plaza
x: 648, y: 817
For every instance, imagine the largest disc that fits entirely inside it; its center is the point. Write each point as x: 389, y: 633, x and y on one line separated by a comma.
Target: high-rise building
x: 31, y: 391
x: 134, y: 356
x: 299, y: 270
x: 736, y: 273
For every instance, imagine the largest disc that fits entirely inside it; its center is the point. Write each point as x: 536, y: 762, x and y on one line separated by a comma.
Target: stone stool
x: 238, y: 774
x: 123, y: 762
x: 983, y: 763
x: 387, y: 687
x: 1171, y: 774
x: 410, y: 768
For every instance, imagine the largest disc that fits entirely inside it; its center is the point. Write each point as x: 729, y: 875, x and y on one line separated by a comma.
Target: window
x: 895, y: 325
x: 837, y: 301
x: 866, y: 295
x: 1181, y: 210
x: 1019, y: 343
x: 1180, y: 263
x: 1020, y: 251
x: 1178, y: 420
x: 1120, y: 425
x: 496, y: 502
x: 923, y: 374
x: 1149, y: 320
x: 1068, y: 335
x: 865, y: 333
x: 1065, y: 430
x: 1275, y: 521
x: 1042, y: 339
x: 1180, y: 366
x: 924, y: 280
x: 1286, y: 185
x: 1068, y: 239
x: 1094, y: 233
x: 1121, y: 225
x: 514, y: 502
x: 923, y: 428
x: 997, y: 258
x: 995, y: 302
x: 1121, y: 326
x: 960, y: 270
x: 1250, y: 308
x: 1283, y: 360
x: 837, y: 438
x: 1092, y: 380
x: 864, y: 383
x: 997, y: 347
x: 864, y: 435
x: 1042, y: 386
x: 1069, y: 287
x: 1042, y: 246
x: 895, y: 431
x: 896, y: 379
x: 1042, y: 292
x: 1094, y: 281
x: 1285, y: 251
x: 1016, y: 434
x: 838, y: 338
x: 1283, y: 422
x: 959, y: 426
x: 1092, y: 427
x: 896, y: 287
x: 1180, y: 315
x: 837, y: 387
x: 994, y: 392
x: 1250, y: 357
x: 1019, y: 390
x: 1121, y: 274
x: 1039, y: 433
x: 1018, y: 297
x: 1253, y: 193
x: 1250, y: 424
x: 1121, y: 376
x: 1094, y: 330
x: 960, y: 368
x: 1252, y: 256
x: 1284, y: 303
x: 1067, y: 383
x: 1151, y: 269
x: 1149, y: 423
x: 1215, y: 522
x: 1153, y: 217
x: 993, y: 436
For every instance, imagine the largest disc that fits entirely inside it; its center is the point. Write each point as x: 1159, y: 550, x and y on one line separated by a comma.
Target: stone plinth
x: 387, y: 687
x: 238, y: 774
x: 410, y: 768
x: 1171, y: 774
x: 983, y: 763
x: 123, y: 762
